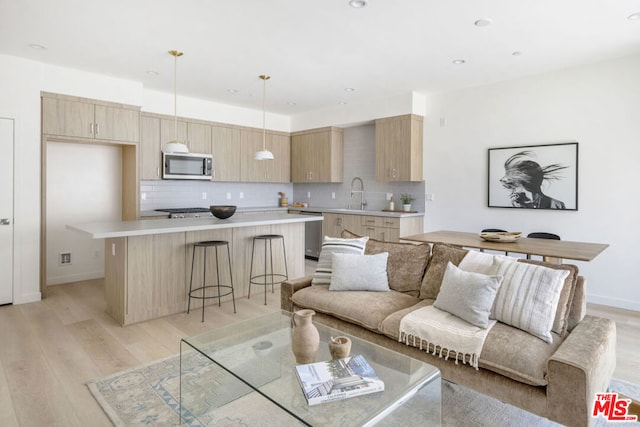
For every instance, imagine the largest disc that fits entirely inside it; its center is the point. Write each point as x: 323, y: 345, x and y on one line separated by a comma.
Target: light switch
x: 228, y: 196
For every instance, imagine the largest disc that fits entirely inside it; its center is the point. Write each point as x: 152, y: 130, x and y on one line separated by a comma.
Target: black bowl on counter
x: 222, y: 211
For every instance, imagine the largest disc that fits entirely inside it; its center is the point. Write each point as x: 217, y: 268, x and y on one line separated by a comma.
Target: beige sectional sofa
x: 556, y: 380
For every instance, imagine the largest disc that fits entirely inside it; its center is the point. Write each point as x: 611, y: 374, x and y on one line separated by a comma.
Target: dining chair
x: 542, y: 235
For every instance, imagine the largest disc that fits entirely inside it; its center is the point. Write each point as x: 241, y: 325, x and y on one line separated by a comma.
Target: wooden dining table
x: 553, y: 251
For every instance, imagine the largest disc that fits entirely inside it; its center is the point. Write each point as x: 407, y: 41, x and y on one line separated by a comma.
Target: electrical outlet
x: 228, y: 196
x: 143, y: 196
x: 430, y: 197
x: 96, y: 253
x: 389, y: 196
x: 333, y: 195
x: 204, y: 196
x: 308, y: 194
x: 242, y: 195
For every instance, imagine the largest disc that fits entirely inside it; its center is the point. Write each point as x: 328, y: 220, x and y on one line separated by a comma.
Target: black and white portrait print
x: 534, y: 177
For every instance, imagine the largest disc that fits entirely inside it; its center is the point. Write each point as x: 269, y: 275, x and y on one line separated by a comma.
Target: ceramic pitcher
x: 305, y: 339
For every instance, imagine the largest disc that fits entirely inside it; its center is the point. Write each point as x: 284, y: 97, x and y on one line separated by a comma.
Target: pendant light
x: 175, y: 146
x: 264, y: 154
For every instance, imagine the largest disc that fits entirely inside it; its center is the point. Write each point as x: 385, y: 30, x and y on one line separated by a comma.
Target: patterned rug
x: 148, y: 395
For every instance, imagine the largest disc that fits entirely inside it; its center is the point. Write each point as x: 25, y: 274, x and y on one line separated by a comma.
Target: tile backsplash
x: 359, y: 160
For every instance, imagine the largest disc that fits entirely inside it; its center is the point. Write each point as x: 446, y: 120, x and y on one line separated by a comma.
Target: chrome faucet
x: 363, y: 203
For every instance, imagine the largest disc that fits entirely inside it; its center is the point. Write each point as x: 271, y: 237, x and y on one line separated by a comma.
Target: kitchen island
x: 148, y: 262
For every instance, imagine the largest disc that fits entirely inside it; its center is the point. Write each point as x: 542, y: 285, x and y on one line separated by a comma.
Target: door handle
x: 5, y: 221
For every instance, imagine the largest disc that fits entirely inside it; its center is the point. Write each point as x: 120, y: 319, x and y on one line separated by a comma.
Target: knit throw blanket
x: 449, y: 335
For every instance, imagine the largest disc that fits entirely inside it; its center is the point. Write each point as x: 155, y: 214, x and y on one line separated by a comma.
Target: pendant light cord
x: 175, y: 97
x: 264, y: 112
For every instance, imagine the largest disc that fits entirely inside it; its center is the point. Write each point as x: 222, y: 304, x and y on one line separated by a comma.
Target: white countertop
x: 357, y: 212
x: 101, y: 230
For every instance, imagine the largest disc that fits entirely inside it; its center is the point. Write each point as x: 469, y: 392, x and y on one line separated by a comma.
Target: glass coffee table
x: 236, y: 369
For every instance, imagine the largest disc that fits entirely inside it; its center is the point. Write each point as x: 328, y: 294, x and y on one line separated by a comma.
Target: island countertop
x: 110, y: 229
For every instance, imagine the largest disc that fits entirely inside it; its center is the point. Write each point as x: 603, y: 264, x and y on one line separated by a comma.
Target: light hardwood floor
x: 50, y: 349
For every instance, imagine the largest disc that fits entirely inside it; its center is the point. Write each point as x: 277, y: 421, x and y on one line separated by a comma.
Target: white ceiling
x: 315, y: 49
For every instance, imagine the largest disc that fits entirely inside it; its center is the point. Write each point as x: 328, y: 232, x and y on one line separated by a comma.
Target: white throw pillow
x: 528, y: 297
x: 330, y: 245
x: 467, y: 295
x: 359, y: 272
x: 480, y: 262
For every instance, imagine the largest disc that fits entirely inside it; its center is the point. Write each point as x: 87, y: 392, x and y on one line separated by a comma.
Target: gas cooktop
x: 183, y: 210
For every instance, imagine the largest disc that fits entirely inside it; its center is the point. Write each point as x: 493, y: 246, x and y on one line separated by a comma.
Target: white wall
x: 596, y: 105
x: 83, y: 185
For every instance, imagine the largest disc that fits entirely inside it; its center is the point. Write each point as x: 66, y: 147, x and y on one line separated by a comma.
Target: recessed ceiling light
x: 516, y: 53
x: 358, y: 4
x: 232, y: 90
x: 349, y: 89
x: 37, y: 46
x: 153, y: 73
x: 634, y: 16
x: 291, y: 103
x: 459, y: 61
x: 342, y: 102
x: 483, y: 22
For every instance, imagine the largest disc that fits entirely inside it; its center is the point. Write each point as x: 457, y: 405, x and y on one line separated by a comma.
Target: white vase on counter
x: 407, y: 208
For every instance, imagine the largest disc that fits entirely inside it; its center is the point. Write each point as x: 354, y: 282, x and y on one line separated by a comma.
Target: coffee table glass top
x: 257, y: 352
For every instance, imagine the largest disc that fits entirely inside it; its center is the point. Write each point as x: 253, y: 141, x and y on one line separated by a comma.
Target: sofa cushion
x: 441, y: 254
x: 406, y: 264
x: 366, y: 309
x: 331, y: 245
x: 561, y: 321
x: 467, y: 295
x: 528, y: 297
x: 507, y: 350
x: 517, y: 354
x: 359, y: 272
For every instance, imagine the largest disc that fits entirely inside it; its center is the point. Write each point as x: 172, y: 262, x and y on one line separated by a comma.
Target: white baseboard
x: 614, y: 302
x: 74, y: 278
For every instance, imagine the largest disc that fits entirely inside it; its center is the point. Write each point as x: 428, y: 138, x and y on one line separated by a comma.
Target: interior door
x: 6, y: 211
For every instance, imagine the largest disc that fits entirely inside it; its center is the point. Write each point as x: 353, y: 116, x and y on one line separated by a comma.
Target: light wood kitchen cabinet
x: 88, y: 119
x: 145, y: 276
x: 384, y: 228
x: 150, y: 148
x: 168, y: 130
x: 199, y: 138
x: 225, y: 147
x: 399, y: 148
x: 317, y: 155
x: 277, y: 170
x: 333, y: 224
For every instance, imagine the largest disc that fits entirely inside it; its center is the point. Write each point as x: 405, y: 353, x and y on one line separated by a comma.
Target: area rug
x: 148, y: 395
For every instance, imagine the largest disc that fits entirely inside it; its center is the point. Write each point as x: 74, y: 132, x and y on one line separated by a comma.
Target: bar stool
x: 267, y: 278
x: 203, y: 289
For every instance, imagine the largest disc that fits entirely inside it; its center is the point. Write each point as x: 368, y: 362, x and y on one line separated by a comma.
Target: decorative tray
x: 501, y: 236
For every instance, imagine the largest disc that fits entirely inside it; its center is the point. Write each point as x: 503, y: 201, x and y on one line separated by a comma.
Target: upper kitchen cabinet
x: 399, y: 148
x: 81, y: 118
x: 277, y: 170
x: 225, y: 147
x: 199, y: 137
x: 170, y: 130
x: 317, y: 155
x: 150, y: 148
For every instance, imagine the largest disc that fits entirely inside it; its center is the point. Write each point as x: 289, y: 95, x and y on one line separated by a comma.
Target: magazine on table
x: 337, y: 379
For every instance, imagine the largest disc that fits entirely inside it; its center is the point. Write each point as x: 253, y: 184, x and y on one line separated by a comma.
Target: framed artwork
x: 534, y: 177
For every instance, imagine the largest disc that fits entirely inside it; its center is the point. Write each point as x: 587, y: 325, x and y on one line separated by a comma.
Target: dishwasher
x: 312, y: 236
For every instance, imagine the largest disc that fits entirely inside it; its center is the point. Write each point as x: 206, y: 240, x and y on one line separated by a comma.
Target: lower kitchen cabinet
x: 384, y: 228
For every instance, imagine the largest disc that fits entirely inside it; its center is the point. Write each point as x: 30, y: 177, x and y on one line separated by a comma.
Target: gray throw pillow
x: 359, y: 272
x: 468, y: 296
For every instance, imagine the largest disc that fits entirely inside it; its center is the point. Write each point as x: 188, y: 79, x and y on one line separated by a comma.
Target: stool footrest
x: 281, y: 278
x: 191, y: 294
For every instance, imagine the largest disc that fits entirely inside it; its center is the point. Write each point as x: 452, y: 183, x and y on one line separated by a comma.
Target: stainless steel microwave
x: 187, y: 166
